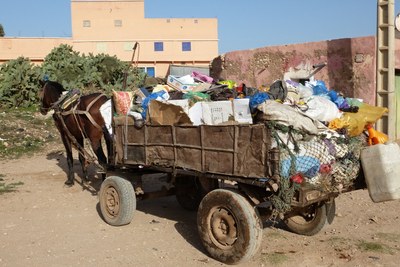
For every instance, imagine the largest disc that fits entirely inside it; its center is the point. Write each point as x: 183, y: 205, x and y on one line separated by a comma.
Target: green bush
x: 66, y: 66
x: 18, y: 83
x: 19, y: 78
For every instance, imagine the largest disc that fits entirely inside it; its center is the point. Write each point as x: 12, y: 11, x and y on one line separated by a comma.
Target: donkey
x: 76, y: 121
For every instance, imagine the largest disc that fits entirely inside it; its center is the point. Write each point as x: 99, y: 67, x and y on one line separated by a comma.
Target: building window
x: 86, y: 23
x: 117, y: 23
x: 158, y: 46
x: 150, y: 71
x: 186, y: 46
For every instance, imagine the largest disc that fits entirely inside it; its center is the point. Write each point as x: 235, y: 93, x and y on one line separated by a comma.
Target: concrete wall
x: 36, y: 49
x: 351, y: 65
x: 113, y: 26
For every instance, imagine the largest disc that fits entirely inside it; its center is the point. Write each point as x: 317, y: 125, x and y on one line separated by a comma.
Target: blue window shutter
x: 186, y: 46
x: 151, y: 72
x: 158, y: 46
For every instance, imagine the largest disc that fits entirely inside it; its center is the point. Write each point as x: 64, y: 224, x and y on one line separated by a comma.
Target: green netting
x: 329, y: 162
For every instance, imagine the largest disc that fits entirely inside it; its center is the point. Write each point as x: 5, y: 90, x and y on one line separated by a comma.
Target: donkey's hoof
x: 69, y: 183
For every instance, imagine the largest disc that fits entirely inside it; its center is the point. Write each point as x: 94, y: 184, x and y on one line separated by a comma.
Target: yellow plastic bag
x: 229, y: 83
x: 338, y: 124
x: 367, y: 114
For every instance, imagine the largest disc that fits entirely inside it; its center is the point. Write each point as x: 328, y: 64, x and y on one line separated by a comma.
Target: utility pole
x: 385, y: 67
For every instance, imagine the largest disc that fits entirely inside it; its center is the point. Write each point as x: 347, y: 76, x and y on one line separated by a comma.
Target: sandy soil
x: 45, y: 223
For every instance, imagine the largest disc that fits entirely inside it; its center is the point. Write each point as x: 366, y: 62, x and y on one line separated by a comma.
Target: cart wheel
x: 229, y: 226
x: 117, y: 201
x: 330, y: 211
x: 310, y: 220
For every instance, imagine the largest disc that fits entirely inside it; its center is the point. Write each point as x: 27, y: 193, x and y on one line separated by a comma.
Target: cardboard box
x: 201, y: 87
x: 221, y: 112
x: 241, y: 110
x: 184, y: 103
x: 175, y: 83
x: 196, y: 114
x: 214, y: 113
x: 163, y: 113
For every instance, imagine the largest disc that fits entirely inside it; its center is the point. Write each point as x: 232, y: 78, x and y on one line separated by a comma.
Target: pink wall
x: 355, y: 78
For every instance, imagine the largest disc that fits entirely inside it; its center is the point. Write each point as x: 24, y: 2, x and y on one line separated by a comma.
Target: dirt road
x: 47, y: 224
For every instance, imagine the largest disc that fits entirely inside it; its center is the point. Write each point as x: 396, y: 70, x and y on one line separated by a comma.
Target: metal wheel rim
x: 223, y: 228
x: 305, y: 217
x: 112, y: 202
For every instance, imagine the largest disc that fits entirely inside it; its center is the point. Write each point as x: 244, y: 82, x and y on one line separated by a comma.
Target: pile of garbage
x: 319, y: 131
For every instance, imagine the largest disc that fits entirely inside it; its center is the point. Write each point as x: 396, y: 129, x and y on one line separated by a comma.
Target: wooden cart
x: 229, y: 174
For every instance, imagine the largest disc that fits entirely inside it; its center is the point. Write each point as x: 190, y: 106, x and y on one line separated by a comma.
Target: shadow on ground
x: 95, y: 179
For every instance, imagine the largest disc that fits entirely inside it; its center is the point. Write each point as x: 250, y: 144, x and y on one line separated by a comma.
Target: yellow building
x: 113, y: 27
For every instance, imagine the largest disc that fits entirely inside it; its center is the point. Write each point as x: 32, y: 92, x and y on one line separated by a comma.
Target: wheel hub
x: 112, y: 201
x: 223, y: 228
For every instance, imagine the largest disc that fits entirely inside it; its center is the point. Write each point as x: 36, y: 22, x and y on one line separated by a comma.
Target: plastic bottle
x: 375, y: 137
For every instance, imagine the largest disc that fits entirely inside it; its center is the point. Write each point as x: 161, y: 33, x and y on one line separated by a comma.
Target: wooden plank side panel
x: 239, y: 150
x: 253, y: 144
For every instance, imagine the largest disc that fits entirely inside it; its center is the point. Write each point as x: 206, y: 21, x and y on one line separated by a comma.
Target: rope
x: 76, y: 144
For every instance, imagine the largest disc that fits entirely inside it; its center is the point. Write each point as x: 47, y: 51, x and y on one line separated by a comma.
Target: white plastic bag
x: 322, y: 109
x: 305, y: 91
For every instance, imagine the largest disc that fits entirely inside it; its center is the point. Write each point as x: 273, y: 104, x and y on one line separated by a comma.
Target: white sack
x: 287, y: 115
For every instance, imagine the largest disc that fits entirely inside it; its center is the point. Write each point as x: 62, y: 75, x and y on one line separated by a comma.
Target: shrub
x: 18, y: 83
x: 19, y: 78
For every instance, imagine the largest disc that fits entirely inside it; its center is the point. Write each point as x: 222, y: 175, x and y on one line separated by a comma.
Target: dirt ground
x: 45, y: 223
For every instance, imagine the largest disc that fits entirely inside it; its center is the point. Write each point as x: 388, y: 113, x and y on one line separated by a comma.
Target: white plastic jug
x: 381, y: 165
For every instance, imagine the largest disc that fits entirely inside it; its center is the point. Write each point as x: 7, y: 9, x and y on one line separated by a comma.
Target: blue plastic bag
x: 158, y: 95
x: 320, y: 88
x: 257, y: 99
x: 333, y: 95
x: 307, y: 165
x: 341, y: 103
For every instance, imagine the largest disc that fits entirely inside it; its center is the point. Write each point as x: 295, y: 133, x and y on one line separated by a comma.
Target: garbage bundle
x: 319, y: 131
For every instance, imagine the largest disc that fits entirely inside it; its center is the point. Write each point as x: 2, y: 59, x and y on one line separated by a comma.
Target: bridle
x: 60, y: 112
x: 52, y: 106
x: 43, y: 110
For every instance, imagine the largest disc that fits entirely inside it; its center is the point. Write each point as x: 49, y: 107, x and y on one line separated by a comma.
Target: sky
x: 242, y: 24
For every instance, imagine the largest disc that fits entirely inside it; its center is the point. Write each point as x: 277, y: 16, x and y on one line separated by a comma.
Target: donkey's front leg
x: 70, y: 162
x: 68, y: 150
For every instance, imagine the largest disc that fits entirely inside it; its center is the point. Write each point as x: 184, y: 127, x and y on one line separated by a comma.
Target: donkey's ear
x: 42, y: 83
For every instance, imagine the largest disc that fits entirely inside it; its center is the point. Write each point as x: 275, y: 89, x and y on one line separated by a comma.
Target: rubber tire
x: 245, y: 227
x: 189, y: 192
x: 117, y: 201
x: 330, y: 211
x: 308, y: 226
